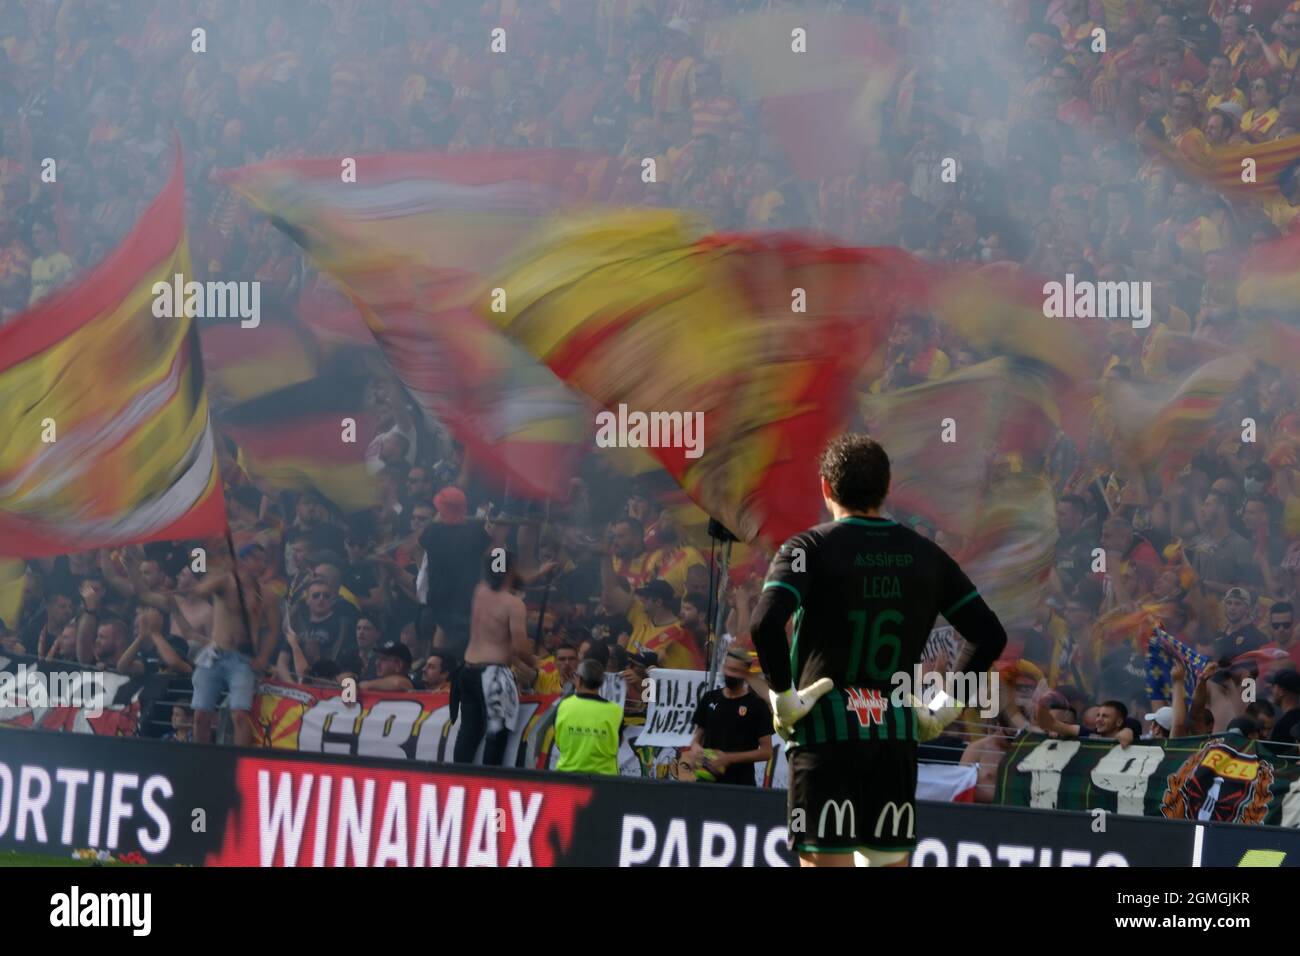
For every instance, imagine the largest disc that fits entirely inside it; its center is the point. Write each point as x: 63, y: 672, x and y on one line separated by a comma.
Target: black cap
x: 644, y: 658
x: 1288, y: 680
x: 396, y: 649
x: 1243, y: 725
x: 658, y: 589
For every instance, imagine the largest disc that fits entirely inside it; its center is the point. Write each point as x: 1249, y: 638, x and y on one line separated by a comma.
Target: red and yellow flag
x: 295, y: 437
x: 104, y: 432
x: 994, y: 407
x: 1165, y: 426
x: 412, y: 241
x: 756, y: 341
x: 1270, y: 276
x: 245, y: 363
x: 1223, y: 168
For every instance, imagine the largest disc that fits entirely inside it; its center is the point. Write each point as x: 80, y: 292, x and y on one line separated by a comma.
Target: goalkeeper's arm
x: 776, y: 605
x: 984, y: 640
x: 983, y: 634
x: 789, y: 705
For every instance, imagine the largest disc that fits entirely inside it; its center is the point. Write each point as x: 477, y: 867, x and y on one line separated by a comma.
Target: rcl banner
x: 404, y: 726
x: 1224, y: 778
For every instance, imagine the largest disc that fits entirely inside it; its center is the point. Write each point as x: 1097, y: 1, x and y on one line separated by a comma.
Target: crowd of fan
x: 1051, y: 175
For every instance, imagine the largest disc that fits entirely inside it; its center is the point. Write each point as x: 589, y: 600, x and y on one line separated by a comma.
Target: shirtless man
x: 190, y: 616
x: 193, y: 620
x: 485, y: 690
x: 1218, y: 697
x: 227, y: 662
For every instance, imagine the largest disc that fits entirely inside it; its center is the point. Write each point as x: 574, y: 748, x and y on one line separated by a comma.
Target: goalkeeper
x: 864, y: 592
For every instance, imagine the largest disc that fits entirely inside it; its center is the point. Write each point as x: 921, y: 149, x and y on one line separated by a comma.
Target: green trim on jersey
x: 798, y: 737
x: 964, y: 601
x: 794, y: 648
x: 829, y: 722
x: 812, y: 848
x: 866, y: 522
x: 781, y: 584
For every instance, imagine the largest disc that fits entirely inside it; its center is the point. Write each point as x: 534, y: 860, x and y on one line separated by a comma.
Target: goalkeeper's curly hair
x: 857, y: 470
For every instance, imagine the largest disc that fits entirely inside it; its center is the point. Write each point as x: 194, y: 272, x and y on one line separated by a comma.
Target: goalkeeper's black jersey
x: 865, y: 593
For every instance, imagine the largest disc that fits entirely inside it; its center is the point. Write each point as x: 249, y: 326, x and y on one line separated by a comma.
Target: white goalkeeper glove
x: 791, y: 706
x: 934, y: 720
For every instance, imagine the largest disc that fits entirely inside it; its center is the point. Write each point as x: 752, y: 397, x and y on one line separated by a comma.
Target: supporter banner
x: 615, y: 688
x: 191, y: 804
x: 670, y: 711
x: 1224, y: 778
x: 115, y: 714
x: 941, y: 640
x: 401, y: 726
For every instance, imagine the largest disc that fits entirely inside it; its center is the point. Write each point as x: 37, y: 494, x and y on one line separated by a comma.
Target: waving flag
x: 243, y: 364
x: 294, y: 437
x: 1001, y: 406
x: 1170, y: 355
x: 1270, y: 276
x: 1221, y: 167
x: 411, y: 241
x: 641, y: 313
x: 1010, y: 553
x: 940, y: 480
x: 1163, y: 651
x: 1166, y: 425
x: 998, y: 309
x: 104, y: 433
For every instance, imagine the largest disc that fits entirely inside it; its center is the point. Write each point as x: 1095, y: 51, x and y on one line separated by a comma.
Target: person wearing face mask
x: 733, y: 726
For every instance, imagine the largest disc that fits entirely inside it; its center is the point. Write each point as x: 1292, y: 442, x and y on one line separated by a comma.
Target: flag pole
x: 718, y: 532
x: 546, y: 585
x: 715, y: 634
x: 1102, y: 488
x: 239, y: 589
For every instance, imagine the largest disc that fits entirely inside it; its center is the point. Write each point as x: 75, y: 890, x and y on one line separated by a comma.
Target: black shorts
x: 846, y: 796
